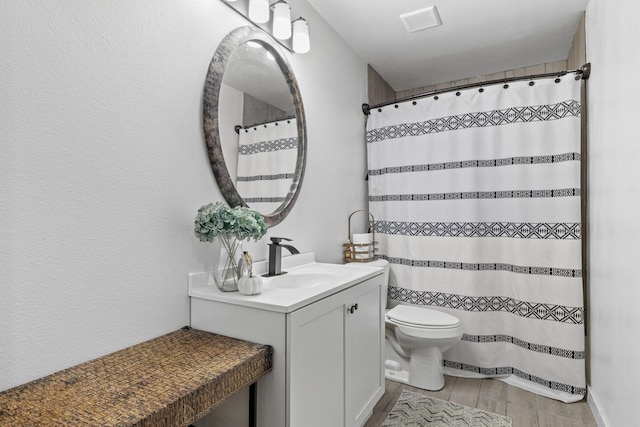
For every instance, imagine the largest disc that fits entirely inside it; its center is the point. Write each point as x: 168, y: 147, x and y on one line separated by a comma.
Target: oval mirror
x: 254, y: 124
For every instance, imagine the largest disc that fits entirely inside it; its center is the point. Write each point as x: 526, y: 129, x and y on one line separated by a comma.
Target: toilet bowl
x: 415, y: 338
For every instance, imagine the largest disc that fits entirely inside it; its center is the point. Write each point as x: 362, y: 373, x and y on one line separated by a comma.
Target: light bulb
x: 259, y: 11
x: 281, y: 20
x: 301, y: 36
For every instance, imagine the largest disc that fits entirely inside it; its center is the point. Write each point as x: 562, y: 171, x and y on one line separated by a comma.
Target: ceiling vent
x: 421, y: 19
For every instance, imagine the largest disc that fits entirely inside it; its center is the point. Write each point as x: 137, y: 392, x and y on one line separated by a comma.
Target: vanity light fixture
x: 281, y: 20
x: 259, y: 11
x: 301, y: 43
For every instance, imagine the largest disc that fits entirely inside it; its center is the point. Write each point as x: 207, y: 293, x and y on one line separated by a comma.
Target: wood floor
x: 525, y: 409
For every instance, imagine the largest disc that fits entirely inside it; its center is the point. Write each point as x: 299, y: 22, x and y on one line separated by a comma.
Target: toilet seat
x: 419, y: 322
x: 419, y: 317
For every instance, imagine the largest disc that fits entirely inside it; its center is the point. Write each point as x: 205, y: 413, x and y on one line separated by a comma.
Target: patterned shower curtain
x: 267, y: 156
x: 476, y: 197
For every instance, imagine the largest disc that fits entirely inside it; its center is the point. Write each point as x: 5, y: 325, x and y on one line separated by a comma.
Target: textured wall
x: 103, y: 166
x: 614, y: 229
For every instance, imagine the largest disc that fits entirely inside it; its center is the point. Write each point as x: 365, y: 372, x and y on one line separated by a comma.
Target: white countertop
x: 337, y: 278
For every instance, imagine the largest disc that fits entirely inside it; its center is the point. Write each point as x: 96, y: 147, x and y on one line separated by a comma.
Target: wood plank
x: 497, y: 76
x: 391, y: 394
x: 379, y: 90
x: 524, y: 408
x: 519, y: 397
x: 546, y: 419
x: 493, y: 396
x: 518, y: 72
x: 377, y: 419
x: 461, y: 82
x: 395, y: 394
x: 550, y: 67
x: 555, y: 67
x: 445, y: 393
x: 551, y: 406
x: 578, y: 53
x: 535, y: 69
x: 580, y: 414
x: 521, y: 407
x: 522, y: 416
x: 477, y: 79
x: 466, y: 391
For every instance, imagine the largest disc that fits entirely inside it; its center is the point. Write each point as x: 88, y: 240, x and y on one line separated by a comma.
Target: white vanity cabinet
x: 335, y: 360
x: 328, y: 355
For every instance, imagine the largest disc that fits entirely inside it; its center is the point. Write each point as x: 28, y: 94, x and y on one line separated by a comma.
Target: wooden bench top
x: 172, y: 380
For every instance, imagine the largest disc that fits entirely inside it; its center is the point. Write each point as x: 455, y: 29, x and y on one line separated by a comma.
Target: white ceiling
x: 477, y: 37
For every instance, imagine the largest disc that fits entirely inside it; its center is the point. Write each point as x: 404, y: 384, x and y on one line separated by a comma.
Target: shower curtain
x: 476, y: 197
x: 267, y: 156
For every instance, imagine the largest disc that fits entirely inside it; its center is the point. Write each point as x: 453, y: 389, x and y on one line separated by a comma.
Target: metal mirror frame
x: 211, y: 99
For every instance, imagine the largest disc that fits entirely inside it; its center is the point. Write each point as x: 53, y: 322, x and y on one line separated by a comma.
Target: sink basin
x: 307, y: 277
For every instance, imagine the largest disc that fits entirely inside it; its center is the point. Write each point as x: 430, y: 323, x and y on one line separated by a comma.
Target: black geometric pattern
x: 264, y: 199
x: 266, y: 146
x: 486, y: 266
x: 533, y: 113
x: 522, y: 230
x: 538, y: 348
x: 531, y: 310
x: 507, y: 161
x: 417, y: 410
x: 265, y: 177
x: 469, y: 195
x: 508, y: 370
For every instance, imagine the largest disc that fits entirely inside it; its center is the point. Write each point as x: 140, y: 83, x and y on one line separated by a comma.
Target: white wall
x: 614, y: 204
x: 103, y: 166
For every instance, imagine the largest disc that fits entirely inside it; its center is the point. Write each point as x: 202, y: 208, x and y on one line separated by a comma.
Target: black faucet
x: 275, y: 255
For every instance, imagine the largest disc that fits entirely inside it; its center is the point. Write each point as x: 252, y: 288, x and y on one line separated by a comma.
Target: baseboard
x: 593, y: 405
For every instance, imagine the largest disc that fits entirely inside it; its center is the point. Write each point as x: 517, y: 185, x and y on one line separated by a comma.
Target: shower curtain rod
x: 581, y: 73
x: 238, y: 127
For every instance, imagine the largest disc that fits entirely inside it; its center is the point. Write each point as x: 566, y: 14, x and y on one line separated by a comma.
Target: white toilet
x: 415, y: 339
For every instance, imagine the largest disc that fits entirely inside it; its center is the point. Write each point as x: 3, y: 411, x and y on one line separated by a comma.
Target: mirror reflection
x: 258, y: 127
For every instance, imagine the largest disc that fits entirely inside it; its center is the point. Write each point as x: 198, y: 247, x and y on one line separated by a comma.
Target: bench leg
x: 253, y: 404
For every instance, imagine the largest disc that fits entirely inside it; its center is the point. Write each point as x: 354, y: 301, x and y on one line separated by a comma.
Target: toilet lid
x: 421, y: 317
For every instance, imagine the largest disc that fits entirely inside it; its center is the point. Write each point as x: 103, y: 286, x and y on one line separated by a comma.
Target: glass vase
x: 225, y: 270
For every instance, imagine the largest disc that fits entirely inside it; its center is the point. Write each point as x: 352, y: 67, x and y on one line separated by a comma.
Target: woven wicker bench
x: 168, y: 381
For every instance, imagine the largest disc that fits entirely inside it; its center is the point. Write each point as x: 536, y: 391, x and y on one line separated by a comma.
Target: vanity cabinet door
x: 335, y: 358
x: 364, y: 349
x: 315, y: 365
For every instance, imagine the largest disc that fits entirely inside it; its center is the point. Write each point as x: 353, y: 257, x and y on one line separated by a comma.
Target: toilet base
x: 397, y: 376
x: 403, y: 377
x: 424, y: 369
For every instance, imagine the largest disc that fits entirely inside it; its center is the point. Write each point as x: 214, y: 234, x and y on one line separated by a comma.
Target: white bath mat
x: 417, y: 410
